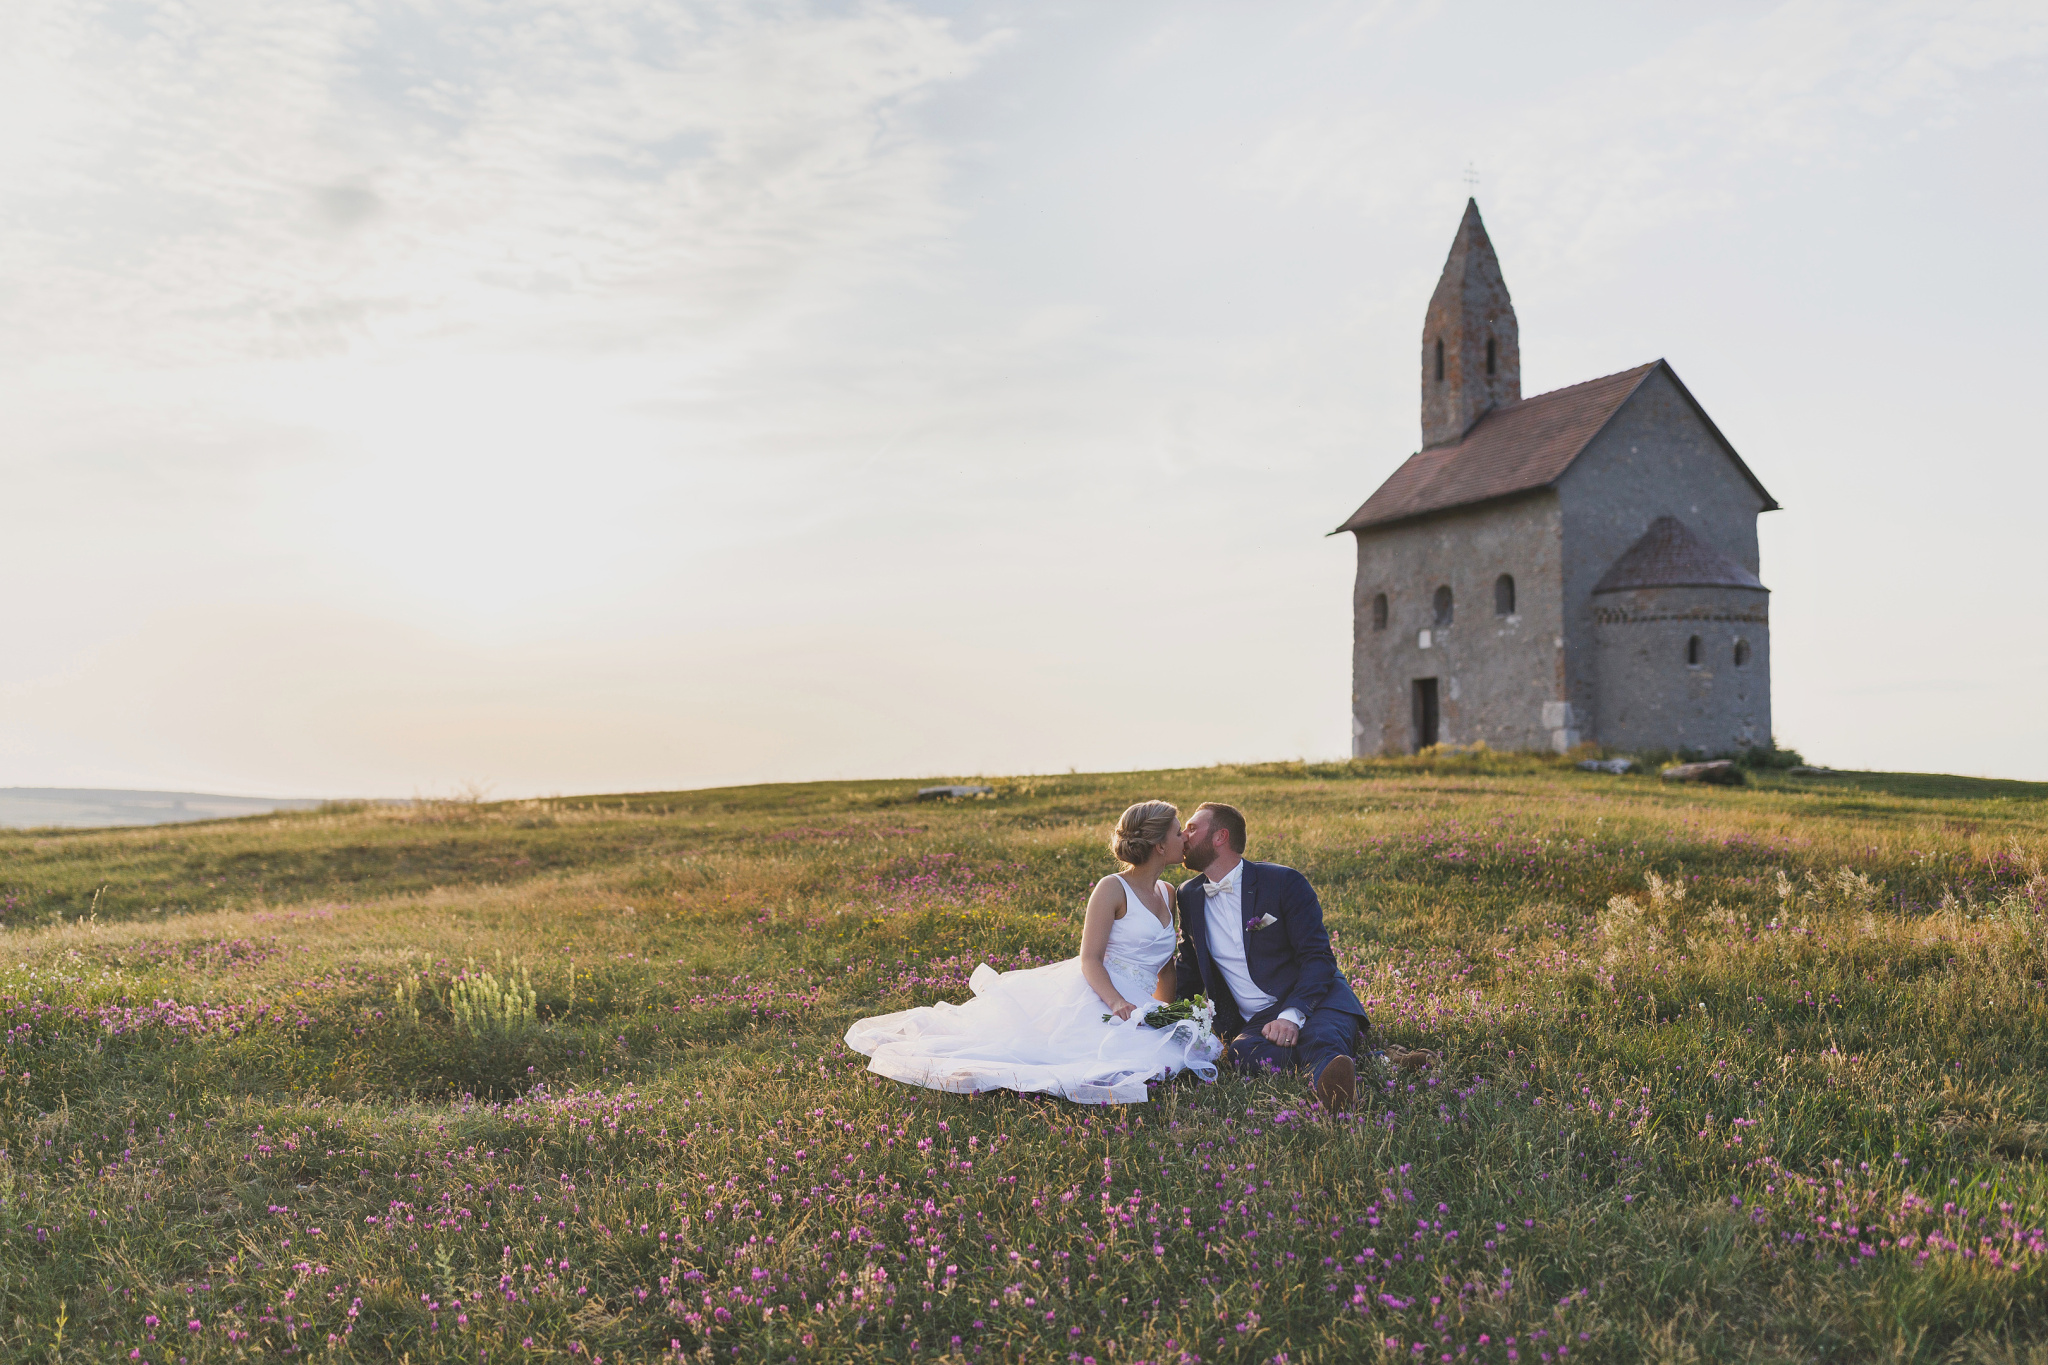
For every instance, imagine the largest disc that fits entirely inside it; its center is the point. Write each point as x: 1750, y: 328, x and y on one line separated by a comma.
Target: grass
x: 1748, y: 1074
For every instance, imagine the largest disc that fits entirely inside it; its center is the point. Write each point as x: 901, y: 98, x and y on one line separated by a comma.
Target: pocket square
x: 1261, y: 922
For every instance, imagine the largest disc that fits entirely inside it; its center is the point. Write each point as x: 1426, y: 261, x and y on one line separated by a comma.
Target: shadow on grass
x: 1919, y: 786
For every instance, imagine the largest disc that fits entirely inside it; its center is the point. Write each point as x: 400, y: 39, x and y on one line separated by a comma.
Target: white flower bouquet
x: 1197, y: 1008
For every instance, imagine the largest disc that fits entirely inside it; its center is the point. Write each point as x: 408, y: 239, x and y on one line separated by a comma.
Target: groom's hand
x: 1281, y: 1033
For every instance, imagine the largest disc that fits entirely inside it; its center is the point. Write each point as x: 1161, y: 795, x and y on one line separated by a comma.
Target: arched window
x: 1742, y: 653
x: 1439, y: 360
x: 1443, y: 606
x: 1379, y: 612
x: 1504, y: 595
x: 1489, y: 355
x: 1692, y: 652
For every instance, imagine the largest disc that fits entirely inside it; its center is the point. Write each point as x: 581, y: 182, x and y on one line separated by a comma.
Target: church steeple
x: 1471, y: 350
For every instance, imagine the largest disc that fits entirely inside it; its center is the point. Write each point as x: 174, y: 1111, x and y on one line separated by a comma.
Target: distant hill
x: 89, y: 807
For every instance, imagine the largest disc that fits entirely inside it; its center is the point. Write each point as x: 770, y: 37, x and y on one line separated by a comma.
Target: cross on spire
x: 1471, y: 178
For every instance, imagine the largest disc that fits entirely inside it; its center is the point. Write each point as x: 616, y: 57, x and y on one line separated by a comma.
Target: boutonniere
x: 1258, y: 922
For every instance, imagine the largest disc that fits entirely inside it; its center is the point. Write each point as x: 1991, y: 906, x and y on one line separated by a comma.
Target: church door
x: 1425, y: 712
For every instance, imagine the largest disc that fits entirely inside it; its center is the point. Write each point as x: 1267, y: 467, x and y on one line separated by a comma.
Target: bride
x: 1074, y: 1028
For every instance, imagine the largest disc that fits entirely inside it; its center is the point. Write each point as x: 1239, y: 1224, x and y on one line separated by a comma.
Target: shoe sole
x: 1337, y: 1087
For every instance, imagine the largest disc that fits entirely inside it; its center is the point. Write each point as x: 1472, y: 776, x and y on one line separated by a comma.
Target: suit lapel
x: 1195, y: 921
x: 1248, y: 897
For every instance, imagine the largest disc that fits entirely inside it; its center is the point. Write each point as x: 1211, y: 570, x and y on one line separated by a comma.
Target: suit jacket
x: 1290, y: 960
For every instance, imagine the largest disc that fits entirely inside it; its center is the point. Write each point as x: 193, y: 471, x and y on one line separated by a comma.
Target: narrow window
x: 1439, y: 360
x: 1443, y: 606
x: 1379, y: 612
x: 1489, y: 355
x: 1504, y: 595
x: 1692, y: 652
x: 1742, y: 653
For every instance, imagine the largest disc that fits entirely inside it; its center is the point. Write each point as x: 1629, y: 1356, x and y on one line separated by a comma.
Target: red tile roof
x: 1516, y: 449
x: 1670, y: 556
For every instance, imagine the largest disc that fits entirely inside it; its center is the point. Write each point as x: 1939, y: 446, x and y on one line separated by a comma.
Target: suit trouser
x: 1328, y: 1033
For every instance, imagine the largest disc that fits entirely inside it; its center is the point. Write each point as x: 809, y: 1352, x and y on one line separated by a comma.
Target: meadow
x: 1751, y: 1074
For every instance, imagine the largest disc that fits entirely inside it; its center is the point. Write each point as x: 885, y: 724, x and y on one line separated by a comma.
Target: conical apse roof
x: 1670, y: 556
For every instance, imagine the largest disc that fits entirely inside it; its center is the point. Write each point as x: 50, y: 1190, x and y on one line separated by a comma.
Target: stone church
x: 1577, y: 566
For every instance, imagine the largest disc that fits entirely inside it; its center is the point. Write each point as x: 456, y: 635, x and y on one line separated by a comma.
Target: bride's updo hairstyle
x: 1141, y: 830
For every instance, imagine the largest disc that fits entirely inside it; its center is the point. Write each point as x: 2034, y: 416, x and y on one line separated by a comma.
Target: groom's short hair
x: 1228, y: 818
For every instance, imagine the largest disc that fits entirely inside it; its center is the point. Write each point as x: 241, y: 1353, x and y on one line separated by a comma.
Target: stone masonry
x: 1577, y: 566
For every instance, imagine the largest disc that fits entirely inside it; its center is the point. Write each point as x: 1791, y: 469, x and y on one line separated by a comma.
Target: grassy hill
x: 1749, y: 1074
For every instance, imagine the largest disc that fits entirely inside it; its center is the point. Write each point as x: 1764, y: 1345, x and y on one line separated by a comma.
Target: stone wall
x: 1654, y: 694
x: 1499, y: 678
x: 1655, y: 458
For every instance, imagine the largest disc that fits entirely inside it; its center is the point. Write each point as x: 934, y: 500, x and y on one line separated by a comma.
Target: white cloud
x: 1616, y: 154
x: 411, y: 271
x: 262, y: 179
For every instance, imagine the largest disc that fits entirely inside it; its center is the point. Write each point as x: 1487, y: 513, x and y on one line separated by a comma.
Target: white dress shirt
x: 1225, y: 914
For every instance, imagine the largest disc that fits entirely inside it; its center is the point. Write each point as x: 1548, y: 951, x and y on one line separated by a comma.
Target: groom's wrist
x: 1294, y: 1017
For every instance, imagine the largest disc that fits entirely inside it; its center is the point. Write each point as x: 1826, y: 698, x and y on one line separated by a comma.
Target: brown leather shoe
x: 1410, y: 1058
x: 1337, y: 1087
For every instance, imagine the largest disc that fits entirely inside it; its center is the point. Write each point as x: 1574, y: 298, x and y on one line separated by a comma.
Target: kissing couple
x: 1249, y: 977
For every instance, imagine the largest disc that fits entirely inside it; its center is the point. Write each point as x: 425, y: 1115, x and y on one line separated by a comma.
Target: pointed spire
x: 1471, y: 345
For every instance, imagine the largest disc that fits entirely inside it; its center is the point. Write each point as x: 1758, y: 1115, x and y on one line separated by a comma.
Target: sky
x: 609, y: 395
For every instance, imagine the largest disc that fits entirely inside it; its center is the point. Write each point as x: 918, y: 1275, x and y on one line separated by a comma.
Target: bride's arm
x: 1108, y: 898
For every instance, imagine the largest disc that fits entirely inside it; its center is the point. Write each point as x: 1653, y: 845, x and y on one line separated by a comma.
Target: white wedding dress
x: 1041, y: 1030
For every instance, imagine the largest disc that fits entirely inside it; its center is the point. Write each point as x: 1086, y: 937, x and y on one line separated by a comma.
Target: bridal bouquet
x: 1196, y: 1008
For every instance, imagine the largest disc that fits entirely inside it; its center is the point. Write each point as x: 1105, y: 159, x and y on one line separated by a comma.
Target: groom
x: 1252, y: 940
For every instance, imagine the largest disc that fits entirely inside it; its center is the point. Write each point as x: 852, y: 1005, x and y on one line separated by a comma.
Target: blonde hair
x: 1142, y: 829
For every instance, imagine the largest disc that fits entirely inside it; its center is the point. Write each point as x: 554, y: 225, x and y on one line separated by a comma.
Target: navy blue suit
x: 1289, y: 960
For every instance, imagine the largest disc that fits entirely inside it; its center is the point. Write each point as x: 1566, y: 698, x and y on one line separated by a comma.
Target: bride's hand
x: 1124, y: 1010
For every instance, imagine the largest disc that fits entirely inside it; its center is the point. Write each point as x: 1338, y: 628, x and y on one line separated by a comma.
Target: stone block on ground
x: 1721, y: 772
x: 933, y: 793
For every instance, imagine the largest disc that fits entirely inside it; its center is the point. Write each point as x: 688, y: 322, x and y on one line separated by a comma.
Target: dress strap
x: 1133, y: 898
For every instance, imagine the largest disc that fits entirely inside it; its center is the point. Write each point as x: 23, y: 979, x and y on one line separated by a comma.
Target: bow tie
x: 1214, y: 888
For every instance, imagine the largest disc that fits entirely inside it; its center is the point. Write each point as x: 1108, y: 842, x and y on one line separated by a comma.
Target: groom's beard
x: 1199, y: 856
